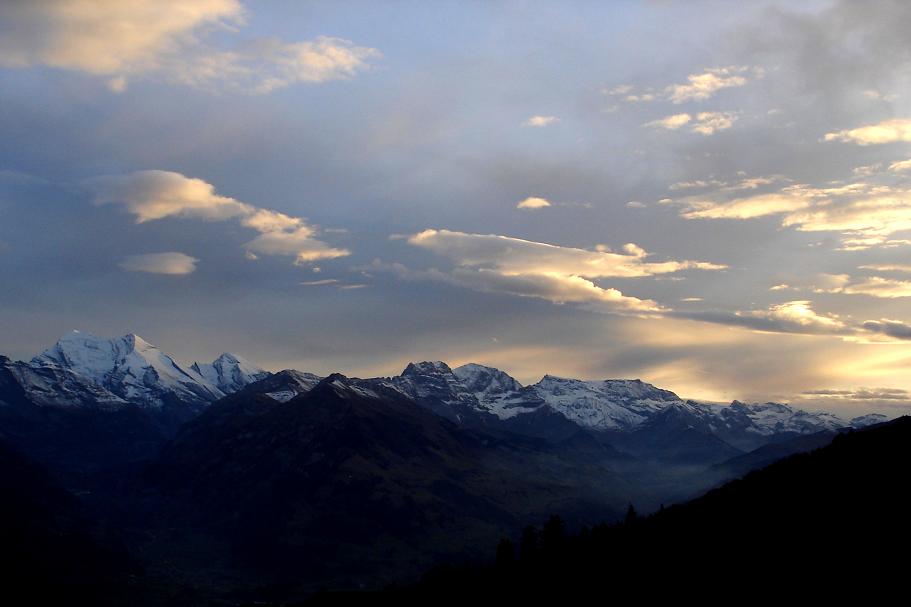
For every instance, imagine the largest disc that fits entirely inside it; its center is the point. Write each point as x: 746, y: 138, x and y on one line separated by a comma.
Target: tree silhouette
x: 631, y: 515
x: 553, y: 537
x: 529, y: 547
x: 506, y: 554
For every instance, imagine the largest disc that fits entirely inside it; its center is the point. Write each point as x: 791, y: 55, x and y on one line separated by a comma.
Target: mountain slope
x: 51, y: 414
x: 829, y: 522
x: 229, y: 372
x: 51, y: 550
x: 352, y: 483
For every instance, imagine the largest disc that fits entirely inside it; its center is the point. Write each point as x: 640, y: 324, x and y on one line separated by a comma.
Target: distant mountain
x: 84, y: 370
x: 229, y: 372
x: 284, y: 385
x: 89, y: 373
x: 89, y: 405
x: 70, y: 424
x: 133, y: 369
x: 636, y: 416
x: 769, y: 454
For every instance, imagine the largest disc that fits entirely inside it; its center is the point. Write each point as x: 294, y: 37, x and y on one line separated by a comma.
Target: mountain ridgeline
x: 229, y: 483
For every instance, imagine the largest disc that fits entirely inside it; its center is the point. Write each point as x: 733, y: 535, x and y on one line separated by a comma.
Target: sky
x: 712, y: 197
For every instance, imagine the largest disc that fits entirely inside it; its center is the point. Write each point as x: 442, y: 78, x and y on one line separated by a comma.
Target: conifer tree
x: 506, y: 554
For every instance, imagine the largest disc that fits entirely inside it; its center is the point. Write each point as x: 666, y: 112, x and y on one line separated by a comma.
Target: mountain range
x: 234, y: 483
x: 84, y: 371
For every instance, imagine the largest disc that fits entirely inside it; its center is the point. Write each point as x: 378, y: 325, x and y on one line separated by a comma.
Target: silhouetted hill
x: 834, y: 520
x: 49, y: 548
x: 769, y: 454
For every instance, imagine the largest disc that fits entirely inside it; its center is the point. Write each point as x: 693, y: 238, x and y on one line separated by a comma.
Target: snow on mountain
x: 868, y: 420
x: 52, y: 385
x: 434, y: 385
x: 83, y: 369
x: 481, y: 380
x: 285, y: 385
x: 776, y: 418
x: 129, y: 367
x: 229, y: 372
x: 613, y: 405
x: 496, y: 392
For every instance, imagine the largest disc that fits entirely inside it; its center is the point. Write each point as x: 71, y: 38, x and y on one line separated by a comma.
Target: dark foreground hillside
x: 353, y: 486
x: 51, y: 552
x: 836, y: 520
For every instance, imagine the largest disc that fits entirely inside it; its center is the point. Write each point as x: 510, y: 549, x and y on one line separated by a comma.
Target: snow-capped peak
x: 128, y: 366
x: 230, y: 372
x: 611, y: 404
x: 868, y: 420
x: 426, y: 368
x: 483, y: 380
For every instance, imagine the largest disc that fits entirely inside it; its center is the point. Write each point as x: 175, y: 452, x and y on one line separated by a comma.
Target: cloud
x: 708, y: 123
x: 299, y: 243
x: 540, y: 121
x: 266, y: 65
x: 533, y: 202
x: 792, y: 198
x: 888, y: 131
x: 878, y: 96
x: 890, y: 328
x: 135, y: 38
x: 494, y: 263
x: 552, y: 287
x: 789, y: 317
x: 517, y: 256
x: 900, y: 165
x: 867, y: 217
x: 696, y: 183
x: 160, y: 263
x: 555, y: 288
x: 866, y: 214
x: 703, y: 86
x: 704, y: 123
x: 830, y: 283
x: 886, y: 267
x: 876, y: 286
x: 620, y: 89
x: 671, y: 123
x: 698, y: 87
x: 153, y: 195
x: 863, y: 394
